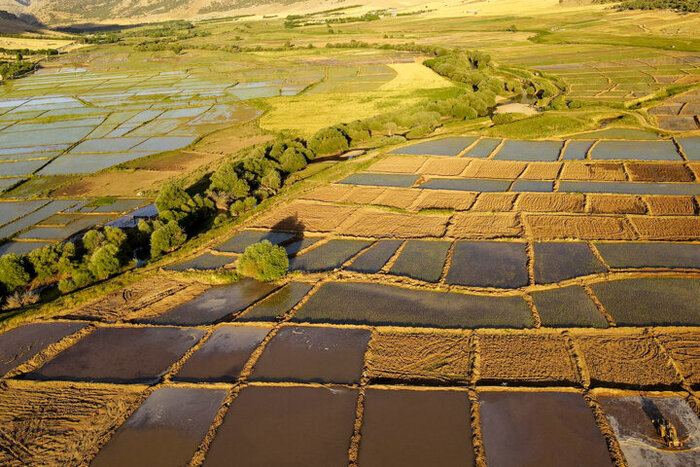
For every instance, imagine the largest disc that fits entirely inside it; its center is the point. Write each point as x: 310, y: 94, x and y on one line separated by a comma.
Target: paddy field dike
x: 493, y: 292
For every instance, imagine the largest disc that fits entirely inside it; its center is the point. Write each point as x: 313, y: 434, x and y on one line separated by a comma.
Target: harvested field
x: 215, y: 304
x: 484, y: 226
x: 489, y: 264
x: 364, y: 194
x: 436, y: 199
x: 203, y: 262
x: 223, y: 355
x: 420, y: 357
x: 650, y: 255
x: 599, y: 171
x: 530, y: 150
x: 120, y: 355
x: 378, y: 304
x: 59, y: 423
x: 374, y: 259
x: 670, y: 205
x: 300, y: 216
x: 483, y: 148
x: 330, y: 193
x: 632, y: 419
x: 684, y: 348
x: 372, y: 179
x: 422, y: 260
x: 402, y: 198
x: 615, y: 204
x: 439, y: 147
x: 243, y: 240
x: 495, y: 169
x: 659, y: 172
x: 399, y: 164
x: 544, y: 227
x: 165, y: 430
x: 375, y: 223
x: 568, y: 307
x: 494, y: 202
x: 550, y: 202
x: 651, y: 301
x: 328, y: 256
x: 21, y: 344
x: 614, y: 359
x: 446, y: 167
x: 311, y: 425
x: 541, y: 171
x: 540, y: 428
x: 525, y: 358
x: 313, y: 354
x: 278, y: 303
x: 638, y: 188
x: 409, y: 427
x: 559, y: 261
x: 667, y: 228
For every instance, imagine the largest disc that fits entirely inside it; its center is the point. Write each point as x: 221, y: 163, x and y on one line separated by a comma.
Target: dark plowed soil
x: 415, y: 428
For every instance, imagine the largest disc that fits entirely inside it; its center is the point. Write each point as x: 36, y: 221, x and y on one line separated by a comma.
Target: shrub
x: 21, y: 299
x: 226, y: 179
x: 272, y: 180
x: 13, y: 274
x: 104, y: 262
x: 92, y: 240
x: 292, y: 160
x: 167, y: 238
x: 328, y: 141
x: 45, y: 260
x: 263, y: 261
x: 170, y: 197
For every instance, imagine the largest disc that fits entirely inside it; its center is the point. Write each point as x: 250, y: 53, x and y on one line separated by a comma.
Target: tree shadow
x: 290, y: 224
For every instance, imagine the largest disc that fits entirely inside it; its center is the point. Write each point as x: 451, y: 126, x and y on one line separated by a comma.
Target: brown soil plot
x: 525, y: 358
x: 632, y: 419
x: 58, y: 423
x: 551, y: 202
x: 579, y: 227
x: 540, y: 428
x: 120, y: 355
x: 616, y: 204
x: 625, y: 360
x: 273, y: 425
x: 21, y: 344
x: 313, y: 354
x: 300, y: 216
x: 372, y: 223
x: 223, y: 355
x: 420, y: 357
x: 667, y: 228
x: 476, y: 226
x: 684, y: 349
x: 165, y: 430
x: 415, y: 428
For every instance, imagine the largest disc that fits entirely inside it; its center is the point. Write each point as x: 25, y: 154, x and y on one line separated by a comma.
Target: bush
x: 171, y: 197
x: 264, y: 262
x: 226, y: 179
x: 104, y: 262
x: 45, y: 260
x: 292, y: 160
x: 328, y: 141
x: 167, y: 238
x: 13, y: 274
x: 21, y: 299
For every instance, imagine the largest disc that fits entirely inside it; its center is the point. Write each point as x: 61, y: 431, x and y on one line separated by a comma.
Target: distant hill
x: 13, y: 24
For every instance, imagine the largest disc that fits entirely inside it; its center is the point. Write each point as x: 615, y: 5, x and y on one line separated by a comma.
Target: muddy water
x: 223, y: 355
x: 372, y: 261
x: 120, y: 355
x: 243, y: 240
x: 483, y: 148
x: 532, y: 186
x: 275, y: 426
x: 165, y: 430
x: 363, y: 303
x: 577, y: 150
x: 416, y: 428
x: 677, y: 189
x: 327, y: 257
x: 21, y: 344
x: 202, y: 262
x: 640, y: 255
x: 313, y: 354
x: 422, y: 260
x: 566, y: 307
x: 632, y: 421
x: 441, y: 147
x: 637, y: 150
x: 467, y: 184
x: 540, y: 429
x: 369, y: 179
x: 489, y: 264
x: 529, y: 151
x: 651, y: 301
x: 558, y: 261
x: 278, y: 303
x: 691, y: 147
x: 215, y: 304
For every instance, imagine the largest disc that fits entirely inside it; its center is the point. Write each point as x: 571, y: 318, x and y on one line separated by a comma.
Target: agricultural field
x: 479, y: 226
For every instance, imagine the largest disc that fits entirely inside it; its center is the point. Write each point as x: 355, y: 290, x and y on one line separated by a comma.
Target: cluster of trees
x: 10, y: 70
x: 26, y: 52
x: 686, y: 6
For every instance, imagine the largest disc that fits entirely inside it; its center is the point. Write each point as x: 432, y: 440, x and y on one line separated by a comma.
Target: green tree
x: 13, y: 274
x: 170, y: 197
x: 167, y: 238
x: 226, y: 179
x: 329, y: 140
x: 264, y: 262
x: 104, y: 262
x: 92, y: 240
